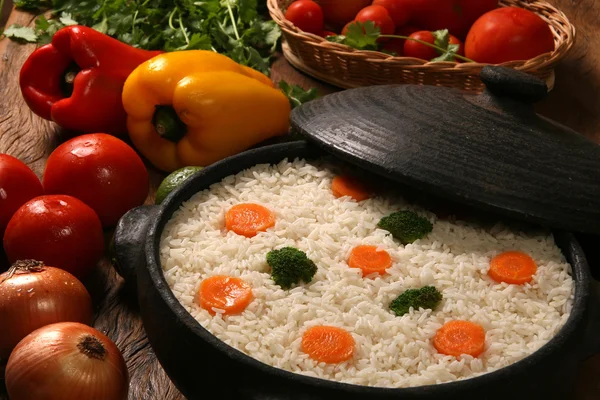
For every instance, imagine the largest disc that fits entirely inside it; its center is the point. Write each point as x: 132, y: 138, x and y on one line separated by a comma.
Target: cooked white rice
x: 390, y: 351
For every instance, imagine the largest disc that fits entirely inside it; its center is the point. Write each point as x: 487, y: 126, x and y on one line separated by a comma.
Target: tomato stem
x: 24, y: 265
x: 427, y: 44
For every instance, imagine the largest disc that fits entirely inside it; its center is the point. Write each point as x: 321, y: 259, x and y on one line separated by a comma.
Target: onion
x: 33, y: 295
x: 66, y: 361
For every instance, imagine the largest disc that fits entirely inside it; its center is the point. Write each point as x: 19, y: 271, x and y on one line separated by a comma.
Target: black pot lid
x: 490, y: 151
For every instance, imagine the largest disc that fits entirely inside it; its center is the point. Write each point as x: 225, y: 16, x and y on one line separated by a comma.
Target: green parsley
x: 31, y: 5
x: 20, y: 33
x: 235, y: 28
x: 361, y: 36
x: 296, y: 94
x: 442, y: 40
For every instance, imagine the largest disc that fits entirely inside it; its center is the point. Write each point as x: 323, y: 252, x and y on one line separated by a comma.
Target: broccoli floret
x: 406, y: 226
x: 290, y: 266
x: 426, y: 297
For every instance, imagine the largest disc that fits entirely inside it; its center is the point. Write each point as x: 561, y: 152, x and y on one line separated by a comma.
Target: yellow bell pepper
x: 197, y: 107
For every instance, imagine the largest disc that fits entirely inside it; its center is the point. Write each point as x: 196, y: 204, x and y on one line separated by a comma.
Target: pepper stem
x: 68, y: 79
x: 167, y: 124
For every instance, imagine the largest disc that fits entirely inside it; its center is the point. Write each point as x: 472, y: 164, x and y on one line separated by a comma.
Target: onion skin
x: 31, y: 299
x: 51, y: 364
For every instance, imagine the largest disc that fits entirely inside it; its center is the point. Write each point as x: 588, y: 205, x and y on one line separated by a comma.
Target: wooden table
x: 574, y: 102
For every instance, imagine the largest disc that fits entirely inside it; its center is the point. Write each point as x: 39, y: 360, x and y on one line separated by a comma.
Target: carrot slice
x: 512, y: 267
x: 224, y: 292
x: 248, y: 219
x: 460, y: 337
x: 369, y: 259
x: 344, y: 185
x: 328, y: 344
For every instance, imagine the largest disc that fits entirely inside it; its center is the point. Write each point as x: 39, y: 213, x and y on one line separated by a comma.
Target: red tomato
x: 18, y: 184
x: 405, y: 30
x: 306, y: 15
x: 100, y: 170
x: 455, y: 15
x: 508, y: 34
x: 418, y: 50
x: 327, y: 33
x: 379, y: 16
x: 58, y: 230
x: 339, y: 12
x: 397, y: 10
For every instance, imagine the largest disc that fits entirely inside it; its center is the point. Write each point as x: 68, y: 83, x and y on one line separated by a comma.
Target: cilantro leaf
x: 296, y: 94
x: 362, y: 36
x: 31, y: 5
x: 449, y: 54
x: 20, y: 33
x: 442, y: 40
x: 248, y: 9
x: 336, y: 38
x: 272, y: 33
x: 66, y: 19
x: 236, y: 28
x: 199, y: 41
x: 41, y: 23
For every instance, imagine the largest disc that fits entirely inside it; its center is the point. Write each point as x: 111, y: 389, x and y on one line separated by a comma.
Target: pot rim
x: 579, y: 267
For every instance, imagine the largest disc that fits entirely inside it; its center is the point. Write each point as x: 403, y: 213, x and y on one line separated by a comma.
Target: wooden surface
x: 574, y: 102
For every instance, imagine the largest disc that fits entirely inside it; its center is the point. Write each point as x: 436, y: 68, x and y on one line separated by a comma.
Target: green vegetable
x: 231, y: 27
x: 442, y: 40
x: 20, y: 33
x: 31, y: 5
x: 289, y: 266
x: 296, y: 94
x: 361, y: 36
x: 427, y: 297
x: 406, y: 226
x: 173, y: 181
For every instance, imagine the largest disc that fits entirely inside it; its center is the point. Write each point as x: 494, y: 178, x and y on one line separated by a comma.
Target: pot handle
x: 129, y: 242
x: 591, y: 248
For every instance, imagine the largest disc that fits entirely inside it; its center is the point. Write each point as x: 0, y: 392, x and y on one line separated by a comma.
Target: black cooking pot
x: 202, y: 366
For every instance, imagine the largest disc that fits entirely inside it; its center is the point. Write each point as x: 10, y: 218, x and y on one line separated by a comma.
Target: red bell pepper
x: 77, y: 80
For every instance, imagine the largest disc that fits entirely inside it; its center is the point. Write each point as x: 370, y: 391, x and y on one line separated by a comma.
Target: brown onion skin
x: 48, y: 365
x: 32, y: 299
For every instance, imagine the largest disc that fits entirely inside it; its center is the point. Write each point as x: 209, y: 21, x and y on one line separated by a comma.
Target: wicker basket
x: 345, y: 67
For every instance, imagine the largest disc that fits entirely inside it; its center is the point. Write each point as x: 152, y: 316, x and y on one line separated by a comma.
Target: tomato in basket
x: 398, y: 10
x: 455, y: 15
x: 380, y: 16
x: 405, y: 30
x: 327, y: 33
x: 415, y: 49
x: 306, y: 15
x: 339, y: 12
x: 508, y: 34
